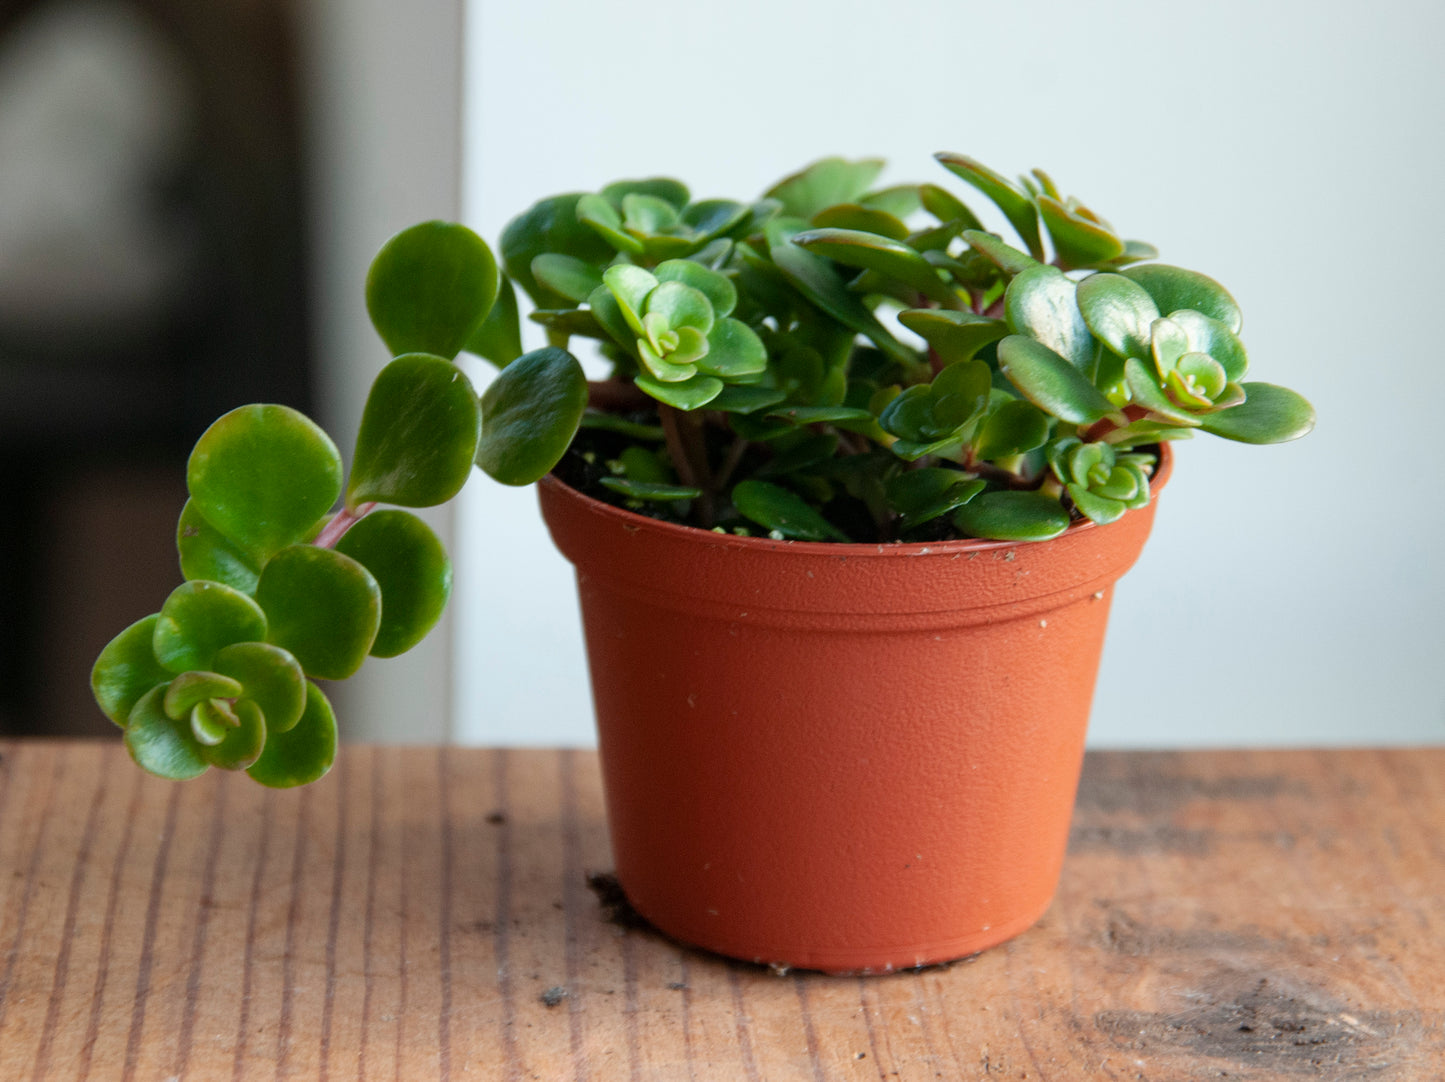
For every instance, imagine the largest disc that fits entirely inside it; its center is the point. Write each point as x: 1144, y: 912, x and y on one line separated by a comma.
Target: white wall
x: 1290, y: 594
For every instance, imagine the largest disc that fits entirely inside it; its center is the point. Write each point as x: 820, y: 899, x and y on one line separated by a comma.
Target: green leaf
x: 321, y: 606
x: 198, y: 618
x: 241, y: 746
x: 1050, y: 382
x: 711, y: 218
x: 1094, y: 506
x: 1174, y: 288
x: 1268, y: 414
x: 578, y: 321
x: 1040, y: 302
x: 671, y: 192
x: 566, y: 275
x: 1078, y: 241
x: 1206, y: 335
x: 210, y: 722
x: 411, y: 566
x: 897, y: 201
x: 891, y: 258
x: 947, y: 207
x: 303, y: 754
x: 530, y: 414
x: 190, y: 688
x: 206, y: 554
x: 602, y: 218
x: 776, y: 508
x: 954, y: 336
x: 126, y: 669
x: 1145, y: 391
x: 852, y: 216
x: 1005, y: 257
x: 734, y: 351
x: 1013, y: 428
x: 498, y: 338
x: 650, y: 490
x: 418, y: 434
x: 270, y: 677
x: 550, y: 225
x: 1119, y: 312
x: 689, y: 394
x: 1017, y: 207
x: 1012, y: 516
x: 923, y: 495
x: 430, y: 287
x: 263, y: 476
x: 644, y: 214
x: 820, y: 415
x: 741, y: 398
x: 823, y: 184
x: 159, y: 744
x: 721, y: 294
x: 629, y: 287
x: 681, y: 305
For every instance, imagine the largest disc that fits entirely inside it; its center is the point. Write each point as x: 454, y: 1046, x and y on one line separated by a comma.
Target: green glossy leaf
x: 603, y: 218
x: 418, y: 434
x: 577, y: 321
x: 1119, y: 312
x: 198, y: 618
x: 778, y: 509
x: 1095, y: 506
x: 1134, y: 252
x: 721, y: 294
x: 210, y: 722
x: 823, y: 184
x: 498, y: 338
x: 947, y: 207
x: 190, y: 688
x: 270, y: 677
x: 644, y: 214
x: 1004, y: 256
x: 430, y: 287
x: 411, y: 566
x: 530, y: 414
x: 1078, y: 241
x: 898, y: 201
x: 566, y: 275
x: 240, y: 746
x: 680, y: 305
x: 1040, y: 302
x: 954, y: 336
x: 799, y: 452
x: 1012, y: 516
x: 734, y: 351
x: 655, y: 491
x: 711, y: 218
x: 923, y: 495
x: 1268, y: 414
x: 206, y: 554
x: 1011, y: 429
x: 736, y: 398
x: 1050, y: 382
x: 670, y: 191
x: 321, y: 606
x: 959, y: 393
x: 819, y: 415
x: 550, y: 225
x: 629, y: 287
x: 126, y: 669
x: 263, y: 476
x: 303, y: 754
x: 1145, y: 391
x: 1017, y: 207
x: 852, y: 216
x: 688, y: 394
x: 1174, y: 288
x: 159, y: 744
x: 1205, y: 335
x: 891, y: 258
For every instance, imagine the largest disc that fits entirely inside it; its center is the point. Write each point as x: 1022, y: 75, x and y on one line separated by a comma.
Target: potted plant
x: 846, y: 518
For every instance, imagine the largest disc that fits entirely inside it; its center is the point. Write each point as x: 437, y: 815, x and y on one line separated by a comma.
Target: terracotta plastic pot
x: 853, y: 758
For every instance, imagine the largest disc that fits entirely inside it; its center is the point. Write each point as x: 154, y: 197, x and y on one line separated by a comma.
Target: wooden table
x: 426, y: 914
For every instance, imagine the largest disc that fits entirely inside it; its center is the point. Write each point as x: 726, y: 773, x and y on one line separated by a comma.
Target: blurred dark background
x: 153, y: 274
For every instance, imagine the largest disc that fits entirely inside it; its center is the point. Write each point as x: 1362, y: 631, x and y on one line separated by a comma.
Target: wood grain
x: 425, y: 914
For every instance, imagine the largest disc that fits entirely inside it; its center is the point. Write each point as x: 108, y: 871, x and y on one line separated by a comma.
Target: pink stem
x: 344, y: 520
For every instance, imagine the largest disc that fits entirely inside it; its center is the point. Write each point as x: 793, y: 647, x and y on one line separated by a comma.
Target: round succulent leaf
x: 630, y: 286
x: 960, y: 393
x: 1167, y: 343
x: 1119, y: 312
x: 199, y: 618
x: 159, y: 744
x: 711, y: 218
x: 1078, y: 241
x: 665, y: 246
x: 263, y: 475
x: 126, y: 669
x: 953, y: 335
x: 323, y: 607
x: 269, y: 676
x: 1012, y: 516
x: 567, y: 322
x: 947, y: 207
x: 923, y: 495
x: 1268, y: 414
x: 550, y: 225
x: 779, y: 509
x: 1016, y: 205
x: 209, y: 724
x: 1050, y: 382
x: 734, y: 351
x: 743, y: 399
x: 498, y: 338
x: 817, y: 415
x: 825, y: 183
x: 190, y: 688
x: 609, y: 315
x: 643, y: 214
x: 1005, y: 257
x: 566, y: 275
x: 1174, y: 288
x: 1012, y: 429
x: 893, y: 259
x: 899, y: 200
x: 207, y: 554
x: 241, y: 745
x: 909, y: 415
x: 853, y: 216
x: 418, y: 436
x: 652, y: 491
x: 1123, y: 484
x: 1094, y: 506
x: 661, y: 368
x: 719, y: 290
x: 410, y: 564
x: 692, y: 346
x: 1145, y: 391
x: 1040, y: 302
x: 670, y: 191
x: 597, y: 214
x: 430, y: 287
x: 1134, y: 251
x: 688, y: 394
x: 681, y: 305
x: 1206, y: 335
x: 1203, y: 374
x: 530, y: 413
x: 302, y: 754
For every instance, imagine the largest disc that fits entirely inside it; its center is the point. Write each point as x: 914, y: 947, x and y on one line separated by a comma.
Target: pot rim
x: 852, y: 549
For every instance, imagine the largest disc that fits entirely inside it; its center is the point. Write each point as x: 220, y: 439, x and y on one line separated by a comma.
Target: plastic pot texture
x: 846, y: 757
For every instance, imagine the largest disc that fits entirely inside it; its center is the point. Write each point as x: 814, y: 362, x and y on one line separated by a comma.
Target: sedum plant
x: 833, y: 361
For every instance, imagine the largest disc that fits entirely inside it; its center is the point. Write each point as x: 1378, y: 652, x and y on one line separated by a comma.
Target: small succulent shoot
x: 831, y: 362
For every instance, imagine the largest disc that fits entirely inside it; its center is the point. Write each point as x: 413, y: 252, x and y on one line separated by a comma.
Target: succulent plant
x: 830, y: 362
